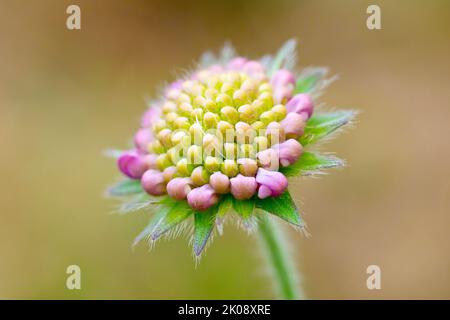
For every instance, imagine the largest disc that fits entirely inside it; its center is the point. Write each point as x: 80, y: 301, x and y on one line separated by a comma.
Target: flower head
x: 233, y: 130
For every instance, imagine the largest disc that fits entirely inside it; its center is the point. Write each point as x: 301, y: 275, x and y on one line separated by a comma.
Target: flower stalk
x: 276, y: 252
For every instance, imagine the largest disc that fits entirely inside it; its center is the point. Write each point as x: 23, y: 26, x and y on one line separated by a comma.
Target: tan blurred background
x: 67, y: 95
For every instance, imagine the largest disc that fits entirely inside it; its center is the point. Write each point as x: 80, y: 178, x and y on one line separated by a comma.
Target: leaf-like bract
x: 309, y: 163
x: 283, y: 207
x: 244, y: 207
x: 177, y: 211
x: 322, y: 124
x: 285, y: 58
x: 125, y: 187
x: 203, y: 227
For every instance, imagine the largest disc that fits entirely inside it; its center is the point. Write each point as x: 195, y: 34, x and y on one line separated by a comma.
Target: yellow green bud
x: 248, y: 167
x: 169, y: 106
x: 156, y: 147
x: 185, y: 109
x: 230, y: 168
x: 196, y: 131
x: 280, y: 111
x: 223, y: 100
x: 184, y: 168
x: 261, y: 143
x: 171, y: 117
x: 164, y: 136
x: 258, y: 126
x: 240, y: 97
x: 212, y: 164
x: 229, y: 114
x: 265, y: 87
x: 211, y: 106
x: 159, y: 125
x: 246, y: 151
x: 267, y: 99
x: 210, y: 120
x: 200, y: 176
x: 227, y: 131
x: 194, y: 155
x: 181, y: 123
x: 199, y: 102
x: 230, y: 150
x: 197, y: 115
x: 227, y: 88
x: 211, y: 93
x: 183, y: 97
x: 247, y: 113
x: 163, y: 161
x: 267, y: 117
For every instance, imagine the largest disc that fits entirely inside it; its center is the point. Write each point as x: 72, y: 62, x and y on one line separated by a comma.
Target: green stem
x: 282, y: 267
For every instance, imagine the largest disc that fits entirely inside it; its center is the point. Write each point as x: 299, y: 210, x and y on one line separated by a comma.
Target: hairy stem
x: 282, y: 267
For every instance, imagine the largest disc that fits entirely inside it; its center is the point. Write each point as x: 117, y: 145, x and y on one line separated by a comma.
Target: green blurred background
x: 65, y: 96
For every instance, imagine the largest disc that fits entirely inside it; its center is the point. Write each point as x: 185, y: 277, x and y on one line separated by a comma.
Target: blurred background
x: 65, y: 96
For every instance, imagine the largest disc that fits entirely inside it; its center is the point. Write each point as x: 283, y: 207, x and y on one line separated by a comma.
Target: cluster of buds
x: 226, y: 129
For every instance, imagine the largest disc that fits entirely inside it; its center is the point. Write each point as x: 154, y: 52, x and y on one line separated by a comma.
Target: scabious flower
x: 226, y: 137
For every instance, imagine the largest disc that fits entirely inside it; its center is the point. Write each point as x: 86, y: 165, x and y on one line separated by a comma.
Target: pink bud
x: 271, y: 183
x: 220, y: 182
x: 150, y: 116
x: 253, y: 67
x: 283, y: 83
x: 243, y: 187
x: 294, y: 124
x: 142, y: 138
x: 268, y: 159
x: 202, y: 198
x: 301, y: 103
x: 153, y: 182
x: 150, y: 160
x: 178, y: 188
x: 236, y: 64
x: 288, y: 151
x: 132, y: 165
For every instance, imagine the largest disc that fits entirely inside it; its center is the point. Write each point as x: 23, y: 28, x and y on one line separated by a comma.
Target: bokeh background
x: 65, y: 96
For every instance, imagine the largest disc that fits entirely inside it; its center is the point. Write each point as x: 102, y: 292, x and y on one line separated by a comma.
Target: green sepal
x: 151, y: 226
x: 285, y: 57
x: 203, y: 226
x: 310, y: 163
x: 137, y: 202
x: 244, y: 207
x: 322, y: 124
x: 282, y: 207
x: 175, y: 213
x: 224, y: 206
x: 125, y: 187
x: 309, y: 80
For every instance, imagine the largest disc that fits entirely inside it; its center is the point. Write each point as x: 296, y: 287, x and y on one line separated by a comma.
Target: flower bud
x: 185, y: 109
x: 253, y: 67
x: 210, y: 120
x: 211, y: 93
x: 220, y: 182
x: 132, y: 165
x: 261, y: 143
x: 242, y: 187
x: 229, y: 114
x: 142, y: 139
x: 267, y: 117
x: 248, y: 167
x: 169, y: 106
x: 230, y: 150
x: 169, y: 173
x: 150, y: 160
x: 280, y: 111
x: 179, y: 188
x: 181, y: 123
x: 247, y: 113
x: 212, y: 164
x: 150, y: 116
x: 258, y: 126
x: 194, y: 155
x: 229, y: 167
x: 271, y: 183
x: 283, y: 83
x: 156, y: 147
x: 246, y: 150
x: 294, y: 124
x: 163, y: 161
x: 153, y: 182
x: 164, y: 136
x: 301, y: 103
x: 202, y: 198
x: 288, y: 151
x: 275, y: 133
x: 268, y: 159
x: 184, y: 168
x: 200, y: 176
x: 158, y: 125
x: 223, y: 100
x: 236, y: 64
x: 171, y: 117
